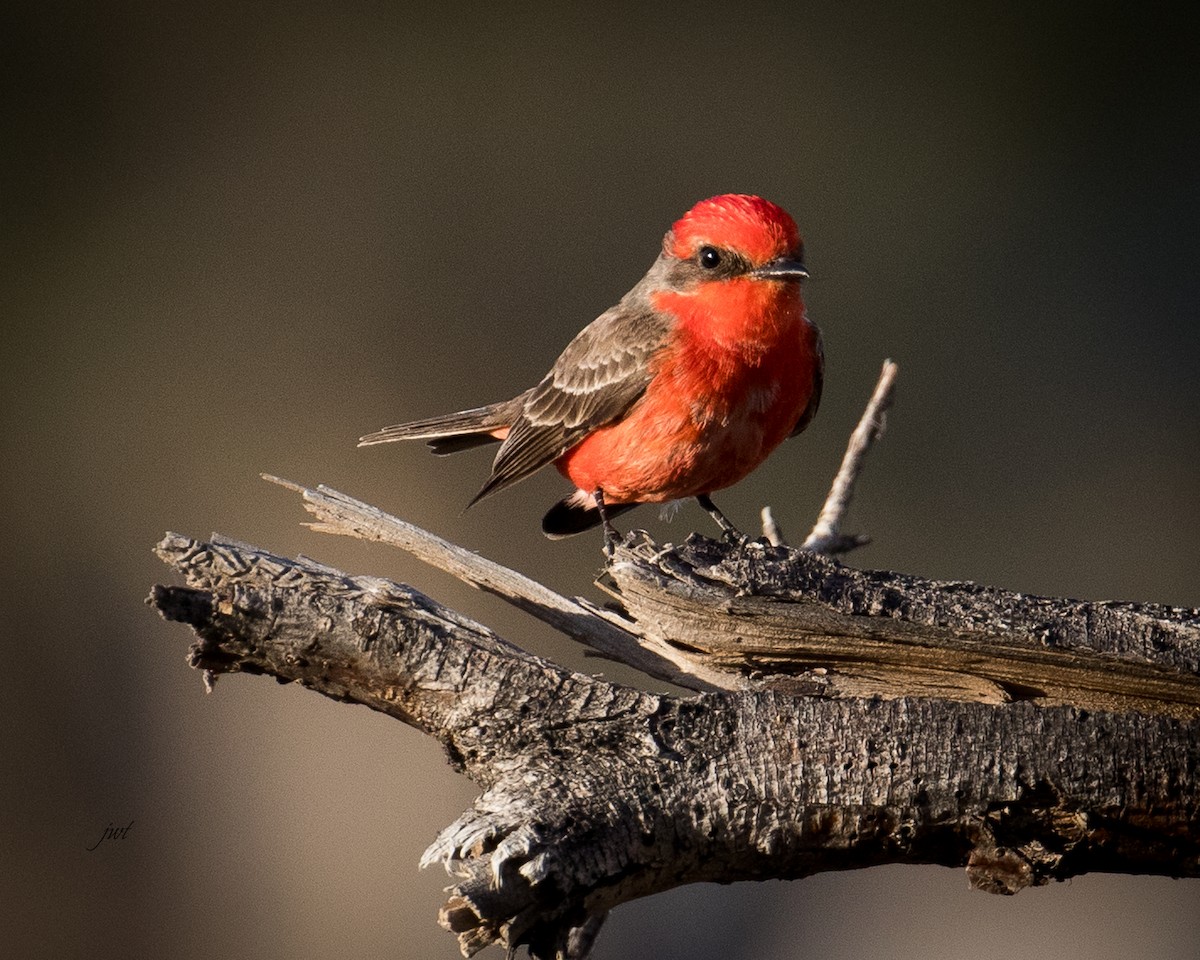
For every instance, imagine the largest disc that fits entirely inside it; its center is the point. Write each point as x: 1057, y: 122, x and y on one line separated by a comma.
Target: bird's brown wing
x: 598, y: 377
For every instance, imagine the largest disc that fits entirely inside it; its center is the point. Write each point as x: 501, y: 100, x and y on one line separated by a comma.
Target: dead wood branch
x: 607, y: 634
x: 805, y: 623
x: 826, y: 536
x: 704, y: 616
x: 594, y: 793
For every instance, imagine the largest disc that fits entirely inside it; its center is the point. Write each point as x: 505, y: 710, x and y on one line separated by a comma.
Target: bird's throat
x: 743, y: 317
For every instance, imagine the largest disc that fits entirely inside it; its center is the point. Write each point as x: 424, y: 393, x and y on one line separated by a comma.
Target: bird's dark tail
x: 453, y: 432
x: 577, y: 513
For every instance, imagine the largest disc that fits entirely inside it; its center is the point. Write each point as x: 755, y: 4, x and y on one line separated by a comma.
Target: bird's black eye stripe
x: 709, y: 257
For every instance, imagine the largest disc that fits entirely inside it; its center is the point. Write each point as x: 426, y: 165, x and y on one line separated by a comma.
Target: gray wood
x: 806, y: 623
x: 1066, y: 740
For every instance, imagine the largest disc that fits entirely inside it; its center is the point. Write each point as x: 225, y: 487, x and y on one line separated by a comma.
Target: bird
x: 682, y: 388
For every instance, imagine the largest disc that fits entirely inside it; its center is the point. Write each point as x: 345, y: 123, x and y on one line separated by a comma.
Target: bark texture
x: 819, y: 755
x: 807, y: 623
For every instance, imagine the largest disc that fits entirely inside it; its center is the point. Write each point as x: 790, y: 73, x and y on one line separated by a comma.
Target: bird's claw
x: 611, y: 536
x: 611, y: 539
x: 735, y: 538
x: 729, y: 533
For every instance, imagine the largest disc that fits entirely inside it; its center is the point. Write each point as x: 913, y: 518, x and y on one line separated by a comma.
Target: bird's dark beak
x: 781, y: 269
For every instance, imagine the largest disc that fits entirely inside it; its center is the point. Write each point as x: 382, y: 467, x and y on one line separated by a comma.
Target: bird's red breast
x: 729, y: 387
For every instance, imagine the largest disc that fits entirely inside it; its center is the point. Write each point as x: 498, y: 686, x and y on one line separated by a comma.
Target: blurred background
x: 238, y: 236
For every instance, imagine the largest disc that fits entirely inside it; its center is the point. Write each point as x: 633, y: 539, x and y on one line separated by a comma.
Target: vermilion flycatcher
x: 682, y: 388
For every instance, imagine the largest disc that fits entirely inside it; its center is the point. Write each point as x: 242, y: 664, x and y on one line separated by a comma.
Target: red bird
x: 682, y: 388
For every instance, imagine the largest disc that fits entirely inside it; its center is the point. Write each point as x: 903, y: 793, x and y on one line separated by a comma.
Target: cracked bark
x: 1047, y: 738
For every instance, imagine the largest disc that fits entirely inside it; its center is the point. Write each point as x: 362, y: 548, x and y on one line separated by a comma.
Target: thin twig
x: 341, y: 514
x: 826, y: 536
x: 771, y: 529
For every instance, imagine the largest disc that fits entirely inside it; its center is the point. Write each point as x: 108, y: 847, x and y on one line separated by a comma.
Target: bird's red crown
x: 756, y: 228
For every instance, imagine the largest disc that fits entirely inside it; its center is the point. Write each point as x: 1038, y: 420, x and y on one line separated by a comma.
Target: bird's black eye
x: 709, y: 258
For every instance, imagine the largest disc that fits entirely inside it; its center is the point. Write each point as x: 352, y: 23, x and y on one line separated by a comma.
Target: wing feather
x: 595, y: 381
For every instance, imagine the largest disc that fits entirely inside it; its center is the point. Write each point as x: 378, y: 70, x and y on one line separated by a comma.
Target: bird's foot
x: 611, y: 539
x: 735, y: 538
x: 729, y: 533
x: 611, y: 535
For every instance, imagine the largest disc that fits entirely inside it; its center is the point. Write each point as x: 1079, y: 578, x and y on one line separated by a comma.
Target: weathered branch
x: 606, y: 633
x: 705, y: 617
x: 595, y: 793
x: 805, y: 623
x: 826, y: 536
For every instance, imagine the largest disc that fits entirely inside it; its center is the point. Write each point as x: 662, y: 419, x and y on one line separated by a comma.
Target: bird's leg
x: 728, y: 530
x: 611, y: 536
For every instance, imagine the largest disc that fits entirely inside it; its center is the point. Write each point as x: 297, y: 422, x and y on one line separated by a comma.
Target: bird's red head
x: 757, y: 229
